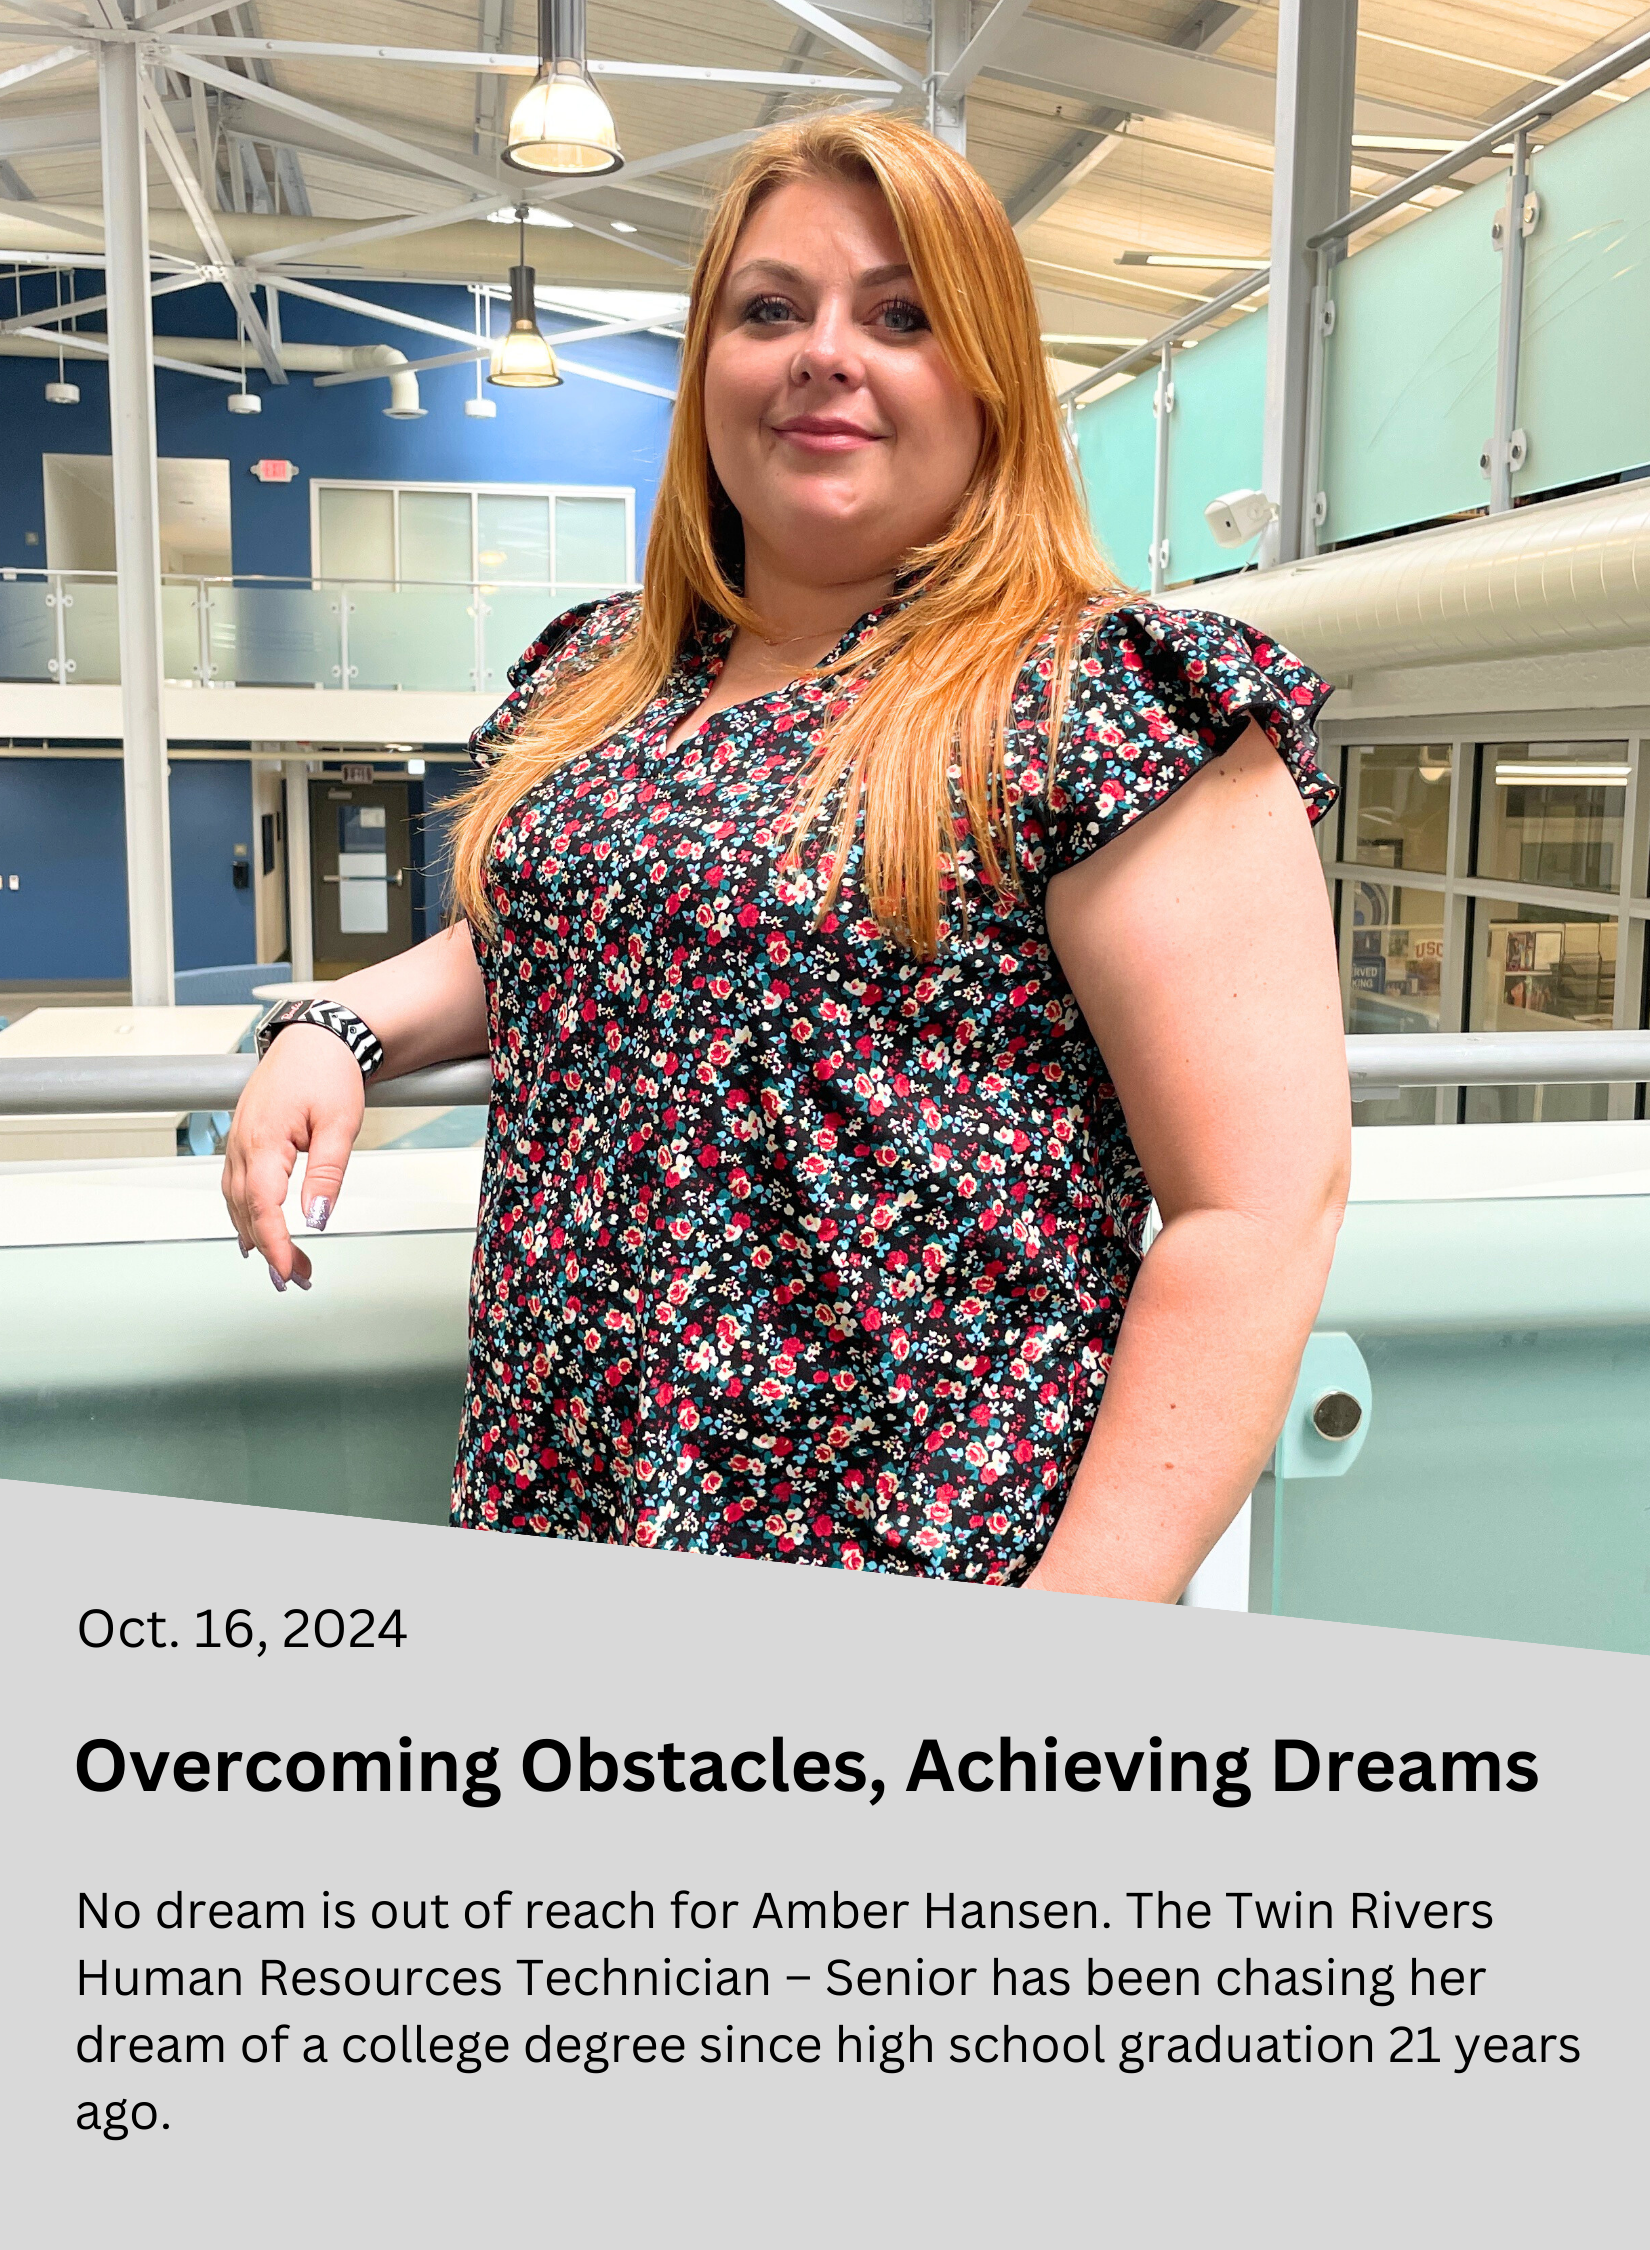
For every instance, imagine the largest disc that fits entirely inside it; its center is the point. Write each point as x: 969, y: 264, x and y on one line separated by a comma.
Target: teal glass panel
x: 420, y: 637
x: 1116, y: 449
x: 91, y: 631
x: 199, y: 1395
x: 512, y: 619
x: 1409, y: 392
x: 28, y: 630
x: 1215, y: 437
x: 180, y: 632
x: 276, y: 636
x: 1583, y: 396
x: 590, y: 545
x: 1501, y: 1489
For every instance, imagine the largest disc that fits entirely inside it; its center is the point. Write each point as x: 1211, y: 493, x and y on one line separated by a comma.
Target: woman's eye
x: 764, y: 311
x: 903, y: 317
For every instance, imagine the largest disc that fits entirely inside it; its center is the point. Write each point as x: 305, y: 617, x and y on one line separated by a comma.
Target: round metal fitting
x: 1336, y: 1416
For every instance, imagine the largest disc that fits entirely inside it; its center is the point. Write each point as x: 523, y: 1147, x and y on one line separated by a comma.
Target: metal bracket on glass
x: 1329, y: 1415
x: 1320, y: 510
x: 1326, y: 317
x: 1518, y: 452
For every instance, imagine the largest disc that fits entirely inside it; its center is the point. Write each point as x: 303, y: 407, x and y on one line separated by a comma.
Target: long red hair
x: 918, y: 747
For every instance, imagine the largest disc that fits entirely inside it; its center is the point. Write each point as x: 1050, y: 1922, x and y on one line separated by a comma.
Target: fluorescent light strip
x: 1552, y: 774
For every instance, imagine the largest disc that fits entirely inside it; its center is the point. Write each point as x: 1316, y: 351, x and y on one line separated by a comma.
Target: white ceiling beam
x: 390, y: 315
x: 63, y: 131
x: 185, y: 12
x: 1153, y: 79
x: 51, y: 316
x: 47, y: 215
x: 40, y: 65
x: 201, y: 217
x: 90, y: 347
x: 498, y: 194
x: 252, y: 91
x: 982, y: 49
x: 525, y: 66
x: 619, y: 382
x: 837, y: 34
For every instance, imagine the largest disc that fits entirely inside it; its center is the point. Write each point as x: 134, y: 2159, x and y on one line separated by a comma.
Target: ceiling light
x: 506, y: 217
x: 1554, y: 773
x: 244, y: 402
x: 561, y: 123
x: 62, y: 394
x: 522, y: 360
x: 1201, y: 261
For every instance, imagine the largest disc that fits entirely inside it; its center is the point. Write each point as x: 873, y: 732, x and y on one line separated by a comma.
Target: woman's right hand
x: 307, y: 1094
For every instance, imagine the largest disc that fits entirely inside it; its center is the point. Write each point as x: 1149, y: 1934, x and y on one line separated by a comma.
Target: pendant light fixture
x: 561, y: 124
x: 62, y: 392
x: 522, y: 360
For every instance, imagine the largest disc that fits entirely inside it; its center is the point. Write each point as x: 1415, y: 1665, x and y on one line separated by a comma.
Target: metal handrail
x: 1550, y: 104
x: 1443, y: 168
x: 97, y: 1085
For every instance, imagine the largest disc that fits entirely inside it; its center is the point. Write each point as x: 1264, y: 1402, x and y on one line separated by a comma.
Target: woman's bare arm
x: 1200, y: 950
x: 427, y: 1005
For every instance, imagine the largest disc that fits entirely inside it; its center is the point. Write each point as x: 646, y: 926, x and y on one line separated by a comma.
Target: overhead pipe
x: 1558, y: 574
x: 214, y: 351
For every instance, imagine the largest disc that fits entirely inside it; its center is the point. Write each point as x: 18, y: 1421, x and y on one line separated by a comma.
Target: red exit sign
x: 274, y: 472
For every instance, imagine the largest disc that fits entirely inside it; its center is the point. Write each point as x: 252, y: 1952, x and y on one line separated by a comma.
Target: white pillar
x: 950, y: 29
x: 137, y: 524
x: 300, y: 895
x: 1311, y: 188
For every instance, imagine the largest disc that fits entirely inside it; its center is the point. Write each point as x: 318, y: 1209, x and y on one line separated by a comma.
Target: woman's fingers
x: 266, y: 1171
x: 330, y: 1143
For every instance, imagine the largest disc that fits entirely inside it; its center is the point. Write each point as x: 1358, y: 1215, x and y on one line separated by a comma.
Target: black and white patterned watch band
x: 330, y: 1015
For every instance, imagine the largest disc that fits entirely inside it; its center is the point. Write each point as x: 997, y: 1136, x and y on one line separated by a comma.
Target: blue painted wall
x: 62, y: 822
x: 63, y: 834
x: 583, y: 433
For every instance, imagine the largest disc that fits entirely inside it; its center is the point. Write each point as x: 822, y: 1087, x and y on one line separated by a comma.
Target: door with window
x: 361, y: 848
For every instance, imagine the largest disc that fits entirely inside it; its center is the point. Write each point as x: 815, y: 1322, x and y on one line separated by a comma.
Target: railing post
x: 137, y: 524
x: 203, y: 627
x: 1508, y: 447
x: 300, y: 895
x: 1164, y: 403
x: 1314, y: 500
x: 61, y: 664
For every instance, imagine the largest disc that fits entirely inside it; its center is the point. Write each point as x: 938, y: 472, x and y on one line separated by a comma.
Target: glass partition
x: 513, y: 617
x: 1116, y: 440
x: 28, y: 630
x: 91, y: 630
x: 412, y: 637
x: 1216, y: 434
x: 1402, y: 805
x: 276, y: 636
x: 1551, y: 813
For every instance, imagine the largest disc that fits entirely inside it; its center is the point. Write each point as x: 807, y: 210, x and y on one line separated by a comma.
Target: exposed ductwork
x: 213, y: 351
x: 1561, y: 574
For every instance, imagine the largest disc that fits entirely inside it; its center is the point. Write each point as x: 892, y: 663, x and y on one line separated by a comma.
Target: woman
x: 801, y: 896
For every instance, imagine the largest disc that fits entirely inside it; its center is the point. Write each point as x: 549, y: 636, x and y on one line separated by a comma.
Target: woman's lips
x: 816, y: 433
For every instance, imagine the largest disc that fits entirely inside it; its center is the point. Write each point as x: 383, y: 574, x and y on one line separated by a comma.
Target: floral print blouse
x: 790, y: 1244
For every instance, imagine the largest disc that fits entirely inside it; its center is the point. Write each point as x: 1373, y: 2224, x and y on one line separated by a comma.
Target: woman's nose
x: 827, y: 350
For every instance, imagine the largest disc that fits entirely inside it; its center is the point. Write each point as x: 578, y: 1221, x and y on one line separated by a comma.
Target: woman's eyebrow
x: 871, y: 278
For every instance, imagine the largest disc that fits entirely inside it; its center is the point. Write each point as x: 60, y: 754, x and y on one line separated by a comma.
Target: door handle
x: 396, y: 879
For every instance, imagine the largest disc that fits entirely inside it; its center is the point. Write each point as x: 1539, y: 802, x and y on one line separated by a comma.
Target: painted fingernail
x: 245, y: 1249
x: 280, y: 1285
x: 318, y: 1213
x: 299, y: 1281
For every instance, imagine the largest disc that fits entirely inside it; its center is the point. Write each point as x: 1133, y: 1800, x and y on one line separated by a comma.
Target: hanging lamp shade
x: 522, y: 359
x: 561, y: 124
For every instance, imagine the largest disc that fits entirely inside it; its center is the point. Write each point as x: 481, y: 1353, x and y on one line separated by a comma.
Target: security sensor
x: 245, y: 402
x: 481, y: 409
x: 63, y: 394
x: 1237, y: 517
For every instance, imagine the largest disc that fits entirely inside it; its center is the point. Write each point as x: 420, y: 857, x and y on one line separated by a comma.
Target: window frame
x: 1459, y: 887
x: 484, y: 488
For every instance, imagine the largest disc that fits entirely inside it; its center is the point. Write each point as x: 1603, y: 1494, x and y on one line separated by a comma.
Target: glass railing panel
x: 1582, y: 394
x: 1501, y: 1487
x: 28, y: 630
x: 91, y: 631
x: 513, y: 617
x: 276, y: 636
x: 414, y: 637
x: 180, y: 632
x: 1409, y: 385
x: 1216, y: 433
x: 1116, y: 447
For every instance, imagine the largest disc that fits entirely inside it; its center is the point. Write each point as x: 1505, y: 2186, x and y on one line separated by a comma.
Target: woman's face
x: 836, y: 426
